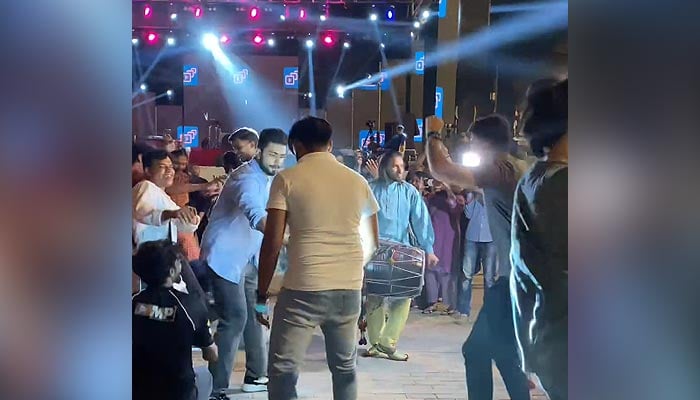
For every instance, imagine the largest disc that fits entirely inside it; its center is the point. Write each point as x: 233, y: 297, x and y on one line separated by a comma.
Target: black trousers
x: 493, y: 338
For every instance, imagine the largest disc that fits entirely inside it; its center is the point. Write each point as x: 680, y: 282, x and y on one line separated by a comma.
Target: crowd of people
x: 205, y: 253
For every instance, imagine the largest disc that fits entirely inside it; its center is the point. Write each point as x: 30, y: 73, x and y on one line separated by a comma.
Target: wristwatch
x: 436, y: 135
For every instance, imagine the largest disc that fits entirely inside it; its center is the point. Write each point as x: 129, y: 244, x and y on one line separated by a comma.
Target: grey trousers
x: 203, y: 382
x: 296, y: 316
x: 235, y: 306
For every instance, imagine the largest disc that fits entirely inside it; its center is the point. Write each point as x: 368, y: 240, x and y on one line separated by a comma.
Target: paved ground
x: 435, y: 369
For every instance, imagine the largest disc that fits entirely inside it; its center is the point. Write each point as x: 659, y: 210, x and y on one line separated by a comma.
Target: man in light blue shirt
x: 230, y: 247
x: 479, y: 250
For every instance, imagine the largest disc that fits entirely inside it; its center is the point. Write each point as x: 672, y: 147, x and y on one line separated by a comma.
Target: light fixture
x: 258, y: 39
x: 283, y: 18
x: 210, y: 41
x: 271, y: 42
x: 309, y: 43
x: 171, y: 41
x: 346, y: 45
x: 134, y: 41
x: 425, y: 14
x: 224, y: 39
x: 197, y: 11
x: 152, y: 37
x: 390, y: 14
x: 322, y: 18
x: 143, y: 87
x: 169, y: 93
x: 471, y: 159
x: 173, y: 16
x: 340, y: 90
x: 382, y: 45
x: 310, y: 95
x: 416, y: 24
x: 254, y: 13
x: 147, y: 11
x: 373, y: 17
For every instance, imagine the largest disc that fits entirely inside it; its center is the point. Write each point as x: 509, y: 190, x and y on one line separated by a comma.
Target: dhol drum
x: 395, y: 271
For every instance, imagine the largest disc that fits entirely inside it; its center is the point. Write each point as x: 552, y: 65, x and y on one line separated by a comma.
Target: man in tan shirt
x: 325, y: 205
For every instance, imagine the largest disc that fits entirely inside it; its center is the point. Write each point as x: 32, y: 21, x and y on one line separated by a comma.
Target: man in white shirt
x: 325, y: 204
x: 230, y: 247
x: 157, y: 217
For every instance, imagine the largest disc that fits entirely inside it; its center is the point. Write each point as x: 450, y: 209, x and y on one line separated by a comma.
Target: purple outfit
x: 444, y: 214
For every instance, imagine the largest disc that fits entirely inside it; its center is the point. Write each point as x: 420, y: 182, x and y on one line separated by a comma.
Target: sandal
x: 373, y: 352
x: 392, y: 354
x: 429, y: 310
x: 449, y: 311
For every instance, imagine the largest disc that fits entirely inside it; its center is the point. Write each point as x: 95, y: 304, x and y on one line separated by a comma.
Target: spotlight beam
x: 512, y: 31
x: 165, y: 94
x: 312, y: 87
x: 143, y: 77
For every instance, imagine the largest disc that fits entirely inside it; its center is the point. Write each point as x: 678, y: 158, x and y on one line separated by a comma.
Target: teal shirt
x: 401, y: 207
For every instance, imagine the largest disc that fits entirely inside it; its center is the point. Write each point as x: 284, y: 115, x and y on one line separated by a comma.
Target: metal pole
x: 379, y: 89
x: 352, y: 118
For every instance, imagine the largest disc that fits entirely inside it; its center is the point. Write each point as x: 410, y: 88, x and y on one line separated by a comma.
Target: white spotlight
x: 416, y: 24
x: 322, y: 17
x: 425, y: 14
x: 346, y: 45
x: 382, y: 45
x: 173, y: 16
x: 282, y: 18
x: 310, y: 95
x: 413, y: 34
x: 309, y: 43
x: 171, y: 41
x: 471, y: 159
x: 210, y: 41
x: 169, y: 92
x: 143, y: 87
x: 134, y: 41
x: 373, y: 17
x: 340, y: 90
x: 271, y: 42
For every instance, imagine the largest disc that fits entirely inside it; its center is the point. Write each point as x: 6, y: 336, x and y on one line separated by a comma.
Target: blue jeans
x: 235, y: 306
x: 476, y: 254
x: 296, y: 316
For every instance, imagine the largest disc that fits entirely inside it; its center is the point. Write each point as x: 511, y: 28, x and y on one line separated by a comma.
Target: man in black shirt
x: 166, y: 324
x: 492, y: 336
x: 540, y: 279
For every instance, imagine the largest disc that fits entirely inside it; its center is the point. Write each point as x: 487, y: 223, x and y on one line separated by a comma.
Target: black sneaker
x: 252, y: 385
x: 218, y: 396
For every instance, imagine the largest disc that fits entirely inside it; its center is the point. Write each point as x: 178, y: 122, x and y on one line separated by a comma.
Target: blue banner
x: 420, y: 62
x: 442, y: 8
x: 439, y: 100
x: 190, y: 75
x: 291, y: 78
x: 188, y: 135
x: 364, y: 139
x: 418, y: 138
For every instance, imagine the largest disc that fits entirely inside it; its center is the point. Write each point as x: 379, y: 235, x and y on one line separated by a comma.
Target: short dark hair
x: 384, y: 165
x: 416, y: 174
x: 179, y: 153
x: 246, y: 134
x: 546, y: 116
x: 153, y: 156
x: 312, y: 132
x: 136, y: 151
x: 231, y: 161
x: 493, y: 129
x: 153, y: 260
x: 272, y: 135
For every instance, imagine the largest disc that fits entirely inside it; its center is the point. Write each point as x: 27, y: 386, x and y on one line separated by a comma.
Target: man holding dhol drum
x: 401, y: 209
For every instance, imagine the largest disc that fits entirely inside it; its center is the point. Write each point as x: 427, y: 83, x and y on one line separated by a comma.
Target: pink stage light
x: 147, y: 11
x: 197, y: 12
x: 258, y: 39
x: 224, y: 39
x: 152, y: 38
x: 302, y: 14
x: 254, y: 13
x: 328, y: 40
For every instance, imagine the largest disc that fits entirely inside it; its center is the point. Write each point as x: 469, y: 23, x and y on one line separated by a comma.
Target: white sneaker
x: 252, y: 385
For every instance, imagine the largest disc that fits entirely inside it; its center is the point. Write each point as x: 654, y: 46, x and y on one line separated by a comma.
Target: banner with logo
x: 420, y: 62
x: 188, y: 135
x: 190, y: 75
x: 291, y: 78
x: 439, y: 100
